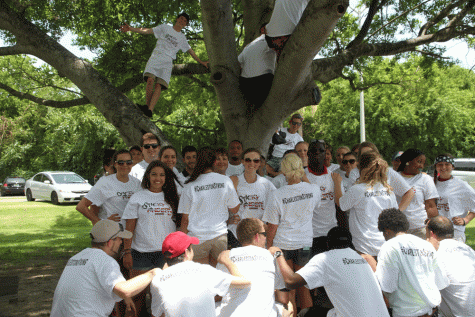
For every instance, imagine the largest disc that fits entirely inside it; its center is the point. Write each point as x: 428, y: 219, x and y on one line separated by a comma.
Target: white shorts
x: 160, y: 66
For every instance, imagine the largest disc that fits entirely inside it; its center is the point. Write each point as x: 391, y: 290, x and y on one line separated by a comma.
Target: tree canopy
x: 218, y: 31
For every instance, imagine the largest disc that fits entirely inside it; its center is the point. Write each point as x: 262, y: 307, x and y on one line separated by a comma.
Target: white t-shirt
x: 457, y: 198
x: 187, y: 290
x: 139, y: 169
x: 324, y: 216
x: 154, y: 220
x: 395, y: 180
x: 258, y: 266
x: 291, y: 141
x: 253, y: 198
x: 112, y: 195
x: 333, y: 167
x: 285, y: 17
x: 86, y: 285
x: 365, y: 205
x: 349, y: 281
x: 279, y: 181
x: 257, y: 58
x: 206, y: 201
x: 409, y: 273
x: 169, y: 41
x: 291, y: 208
x: 234, y: 169
x: 457, y: 260
x: 424, y: 188
x: 340, y: 171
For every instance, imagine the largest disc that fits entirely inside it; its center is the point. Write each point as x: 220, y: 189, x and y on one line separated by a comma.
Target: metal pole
x: 362, y: 119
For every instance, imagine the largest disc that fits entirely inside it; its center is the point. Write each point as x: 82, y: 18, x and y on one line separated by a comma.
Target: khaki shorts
x: 157, y: 80
x: 214, y: 247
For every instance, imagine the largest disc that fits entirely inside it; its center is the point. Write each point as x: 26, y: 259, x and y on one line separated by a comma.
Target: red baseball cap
x: 177, y: 242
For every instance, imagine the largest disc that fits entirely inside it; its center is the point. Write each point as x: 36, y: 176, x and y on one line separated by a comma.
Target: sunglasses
x: 263, y: 233
x: 148, y: 146
x: 352, y: 161
x: 248, y: 160
x: 296, y: 123
x: 122, y: 162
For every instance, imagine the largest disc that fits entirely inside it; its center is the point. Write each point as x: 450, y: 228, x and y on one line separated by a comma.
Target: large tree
x: 388, y: 27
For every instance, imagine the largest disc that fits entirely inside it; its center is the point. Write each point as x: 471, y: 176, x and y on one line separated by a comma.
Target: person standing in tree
x: 158, y: 70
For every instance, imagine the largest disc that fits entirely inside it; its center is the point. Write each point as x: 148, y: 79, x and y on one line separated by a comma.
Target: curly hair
x: 393, y: 219
x: 377, y: 169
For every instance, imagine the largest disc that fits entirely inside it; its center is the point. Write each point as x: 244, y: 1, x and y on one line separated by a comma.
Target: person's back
x: 86, y: 285
x: 257, y: 265
x: 188, y: 289
x: 457, y: 260
x: 349, y: 282
x: 409, y: 275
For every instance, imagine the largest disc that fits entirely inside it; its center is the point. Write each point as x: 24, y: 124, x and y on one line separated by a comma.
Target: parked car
x: 13, y: 185
x: 464, y: 169
x: 56, y: 186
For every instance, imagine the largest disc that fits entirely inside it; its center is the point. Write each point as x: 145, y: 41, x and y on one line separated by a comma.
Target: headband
x: 444, y: 158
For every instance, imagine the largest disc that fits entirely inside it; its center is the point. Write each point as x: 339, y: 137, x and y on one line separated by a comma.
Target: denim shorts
x: 145, y: 261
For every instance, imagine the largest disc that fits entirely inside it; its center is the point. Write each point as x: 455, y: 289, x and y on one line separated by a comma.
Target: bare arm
x: 337, y: 184
x: 127, y: 28
x: 234, y: 209
x: 271, y: 231
x: 85, y: 207
x: 135, y: 285
x: 459, y: 221
x: 406, y: 199
x: 130, y: 226
x: 196, y: 58
x: 431, y: 208
x: 292, y: 280
x: 184, y: 223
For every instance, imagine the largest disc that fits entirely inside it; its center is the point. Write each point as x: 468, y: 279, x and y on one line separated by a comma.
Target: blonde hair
x: 292, y: 166
x: 377, y: 170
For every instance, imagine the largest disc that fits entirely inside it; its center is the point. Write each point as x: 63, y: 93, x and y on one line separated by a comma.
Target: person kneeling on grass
x: 91, y: 282
x: 187, y: 288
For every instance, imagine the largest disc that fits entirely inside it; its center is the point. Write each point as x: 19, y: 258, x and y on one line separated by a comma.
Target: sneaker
x: 317, y: 95
x: 145, y: 110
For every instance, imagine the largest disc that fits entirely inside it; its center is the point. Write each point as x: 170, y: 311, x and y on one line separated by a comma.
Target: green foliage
x: 37, y: 137
x: 427, y: 106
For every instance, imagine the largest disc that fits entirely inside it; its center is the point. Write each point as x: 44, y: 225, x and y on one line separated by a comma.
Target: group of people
x: 352, y: 232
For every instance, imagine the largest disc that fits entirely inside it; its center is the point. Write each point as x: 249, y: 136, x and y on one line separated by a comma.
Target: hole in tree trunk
x: 340, y: 9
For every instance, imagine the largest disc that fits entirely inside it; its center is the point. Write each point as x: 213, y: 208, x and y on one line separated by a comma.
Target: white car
x: 56, y: 186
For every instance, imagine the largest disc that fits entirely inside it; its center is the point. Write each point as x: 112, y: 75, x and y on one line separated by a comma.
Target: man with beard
x: 91, y: 283
x: 189, y: 159
x: 235, y: 166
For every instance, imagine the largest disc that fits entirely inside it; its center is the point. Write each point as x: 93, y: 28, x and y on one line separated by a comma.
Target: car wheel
x: 29, y: 195
x: 54, y: 198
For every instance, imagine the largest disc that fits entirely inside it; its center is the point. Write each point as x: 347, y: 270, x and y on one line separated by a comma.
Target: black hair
x: 205, y: 158
x: 135, y: 147
x: 435, y: 169
x: 169, y: 188
x: 178, y: 259
x: 235, y: 141
x: 107, y: 159
x: 393, y: 219
x: 184, y: 14
x: 408, y: 156
x: 339, y: 238
x: 442, y: 227
x: 119, y: 152
x: 187, y: 149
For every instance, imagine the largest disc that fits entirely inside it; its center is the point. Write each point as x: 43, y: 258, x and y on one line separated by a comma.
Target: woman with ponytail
x: 457, y: 197
x: 288, y: 214
x: 423, y: 204
x: 366, y: 199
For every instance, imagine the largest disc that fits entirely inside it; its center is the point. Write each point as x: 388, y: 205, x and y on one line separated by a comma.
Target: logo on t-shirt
x: 443, y: 205
x: 244, y: 258
x: 171, y: 39
x: 377, y: 193
x: 208, y: 187
x: 125, y: 195
x: 251, y: 201
x: 417, y: 252
x: 297, y: 198
x: 78, y: 262
x: 353, y: 261
x: 158, y: 209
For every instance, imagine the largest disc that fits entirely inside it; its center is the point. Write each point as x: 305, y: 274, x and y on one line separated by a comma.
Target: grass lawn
x: 38, y: 231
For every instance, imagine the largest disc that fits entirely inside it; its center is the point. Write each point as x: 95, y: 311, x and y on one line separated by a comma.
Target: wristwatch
x: 277, y: 254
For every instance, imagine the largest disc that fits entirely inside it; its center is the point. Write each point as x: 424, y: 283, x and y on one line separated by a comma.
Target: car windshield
x: 15, y: 180
x: 67, y: 178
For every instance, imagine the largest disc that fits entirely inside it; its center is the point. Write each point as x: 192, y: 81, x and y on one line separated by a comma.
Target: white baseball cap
x: 105, y: 230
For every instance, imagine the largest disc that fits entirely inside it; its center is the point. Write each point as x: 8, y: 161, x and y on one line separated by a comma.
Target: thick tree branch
x: 373, y: 9
x: 256, y: 13
x: 13, y: 50
x: 440, y: 16
x: 459, y: 16
x: 201, y: 83
x: 431, y: 54
x: 45, y: 102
